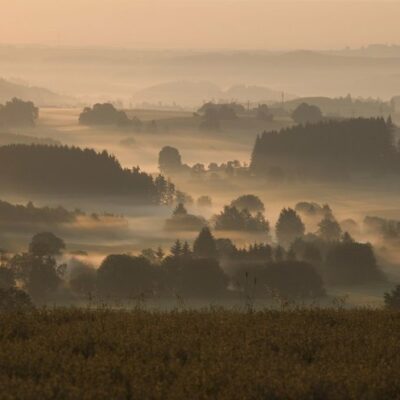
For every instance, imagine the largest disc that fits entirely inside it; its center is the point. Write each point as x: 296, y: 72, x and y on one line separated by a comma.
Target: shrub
x: 392, y: 298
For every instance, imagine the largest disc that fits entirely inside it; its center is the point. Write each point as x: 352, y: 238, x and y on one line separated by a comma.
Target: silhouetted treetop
x: 221, y: 111
x: 169, y: 160
x: 232, y: 219
x: 46, y: 244
x: 103, y: 114
x: 289, y: 227
x: 329, y: 230
x: 249, y: 202
x: 306, y: 113
x: 18, y: 113
x: 181, y: 220
x: 205, y: 246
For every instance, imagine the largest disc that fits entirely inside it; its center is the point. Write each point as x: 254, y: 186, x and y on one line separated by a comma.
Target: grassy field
x: 210, y: 354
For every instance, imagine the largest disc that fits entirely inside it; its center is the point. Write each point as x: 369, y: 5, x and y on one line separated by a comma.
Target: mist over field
x: 199, y: 199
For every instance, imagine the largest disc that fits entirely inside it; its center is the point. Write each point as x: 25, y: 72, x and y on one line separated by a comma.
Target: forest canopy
x: 63, y: 169
x: 334, y: 148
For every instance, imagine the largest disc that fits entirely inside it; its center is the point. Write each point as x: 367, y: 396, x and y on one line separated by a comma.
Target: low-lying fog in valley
x: 134, y: 227
x: 199, y: 199
x: 314, y: 132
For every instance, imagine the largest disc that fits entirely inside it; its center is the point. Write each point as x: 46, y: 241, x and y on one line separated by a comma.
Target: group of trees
x: 181, y: 220
x: 234, y: 219
x: 222, y: 110
x: 307, y: 114
x: 328, y: 149
x: 170, y: 163
x: 263, y: 113
x: 312, y: 209
x: 259, y: 270
x: 18, y: 113
x: 107, y: 114
x: 28, y: 219
x: 20, y: 214
x: 289, y: 227
x: 249, y: 202
x: 169, y: 160
x: 63, y: 169
x: 37, y: 272
x: 345, y: 107
x: 244, y: 214
x: 213, y: 113
x: 185, y: 271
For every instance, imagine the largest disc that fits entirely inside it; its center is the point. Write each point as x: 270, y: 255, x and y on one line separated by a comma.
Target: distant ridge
x: 40, y: 96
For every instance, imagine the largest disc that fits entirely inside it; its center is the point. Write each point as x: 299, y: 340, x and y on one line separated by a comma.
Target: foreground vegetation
x: 208, y: 354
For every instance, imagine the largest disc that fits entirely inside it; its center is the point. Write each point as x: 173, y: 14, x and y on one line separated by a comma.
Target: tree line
x: 63, y: 169
x: 209, y: 268
x: 333, y: 148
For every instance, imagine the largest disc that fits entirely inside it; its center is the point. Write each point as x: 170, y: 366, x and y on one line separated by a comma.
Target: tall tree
x: 329, y: 230
x: 289, y: 227
x: 204, y: 246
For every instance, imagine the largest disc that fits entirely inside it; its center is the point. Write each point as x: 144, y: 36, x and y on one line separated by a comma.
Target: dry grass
x: 210, y: 354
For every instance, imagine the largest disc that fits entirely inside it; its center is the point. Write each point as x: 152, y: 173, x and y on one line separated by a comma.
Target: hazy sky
x: 201, y: 24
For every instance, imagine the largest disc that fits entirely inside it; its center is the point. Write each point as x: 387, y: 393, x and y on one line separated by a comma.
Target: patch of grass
x: 209, y: 354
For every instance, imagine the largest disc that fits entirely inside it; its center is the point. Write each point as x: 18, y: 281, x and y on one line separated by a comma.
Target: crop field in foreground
x: 208, y: 354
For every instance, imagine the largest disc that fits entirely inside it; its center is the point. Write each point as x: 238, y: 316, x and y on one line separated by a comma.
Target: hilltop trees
x: 223, y: 111
x: 289, y: 227
x: 18, y: 113
x: 213, y: 114
x: 306, y: 113
x: 61, y: 170
x: 211, y: 120
x: 329, y: 149
x: 263, y: 113
x: 103, y: 114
